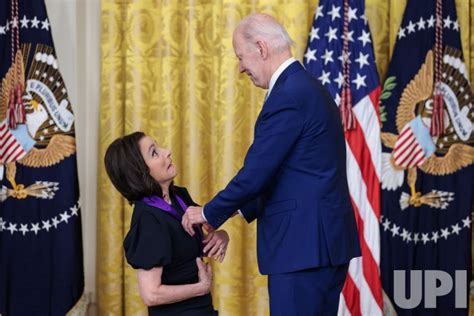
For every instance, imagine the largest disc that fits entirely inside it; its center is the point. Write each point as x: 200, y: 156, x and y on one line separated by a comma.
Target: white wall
x: 76, y: 33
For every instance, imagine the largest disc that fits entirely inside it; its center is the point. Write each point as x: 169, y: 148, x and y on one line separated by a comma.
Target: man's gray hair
x: 259, y: 26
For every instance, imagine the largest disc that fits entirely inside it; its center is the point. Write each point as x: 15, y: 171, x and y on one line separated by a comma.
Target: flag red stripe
x: 7, y: 140
x: 357, y: 142
x: 13, y: 152
x: 418, y: 162
x: 374, y: 98
x: 411, y: 150
x: 414, y: 156
x: 403, y: 146
x: 12, y: 146
x: 352, y: 300
x: 401, y: 155
x: 370, y: 268
x: 405, y: 130
x: 20, y: 154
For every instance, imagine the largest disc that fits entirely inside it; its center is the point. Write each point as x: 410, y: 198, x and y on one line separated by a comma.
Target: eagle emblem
x: 414, y: 148
x: 47, y: 136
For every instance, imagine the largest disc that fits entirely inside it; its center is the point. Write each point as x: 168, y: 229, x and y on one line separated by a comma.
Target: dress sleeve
x: 148, y: 243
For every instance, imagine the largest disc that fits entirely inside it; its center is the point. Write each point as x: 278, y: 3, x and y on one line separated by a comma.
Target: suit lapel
x: 291, y: 69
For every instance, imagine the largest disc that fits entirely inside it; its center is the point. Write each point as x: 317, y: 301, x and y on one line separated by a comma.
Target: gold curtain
x: 168, y: 69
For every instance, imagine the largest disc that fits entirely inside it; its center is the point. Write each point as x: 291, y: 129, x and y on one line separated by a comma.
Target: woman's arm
x: 154, y: 293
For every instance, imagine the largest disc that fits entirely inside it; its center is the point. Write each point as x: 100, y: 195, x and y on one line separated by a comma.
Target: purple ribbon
x: 161, y: 204
x: 158, y: 202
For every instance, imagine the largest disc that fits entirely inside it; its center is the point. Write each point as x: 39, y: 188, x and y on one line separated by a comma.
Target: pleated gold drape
x: 168, y: 68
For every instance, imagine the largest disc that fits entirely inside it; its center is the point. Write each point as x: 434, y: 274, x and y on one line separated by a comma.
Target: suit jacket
x: 293, y: 180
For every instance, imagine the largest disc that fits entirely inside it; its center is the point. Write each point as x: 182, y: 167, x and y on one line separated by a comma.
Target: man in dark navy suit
x: 293, y: 180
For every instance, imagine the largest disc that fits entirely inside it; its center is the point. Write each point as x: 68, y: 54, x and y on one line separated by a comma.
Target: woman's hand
x: 205, y: 276
x: 208, y: 228
x: 216, y: 244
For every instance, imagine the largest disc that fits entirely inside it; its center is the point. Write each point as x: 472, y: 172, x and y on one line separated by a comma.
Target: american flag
x: 362, y: 292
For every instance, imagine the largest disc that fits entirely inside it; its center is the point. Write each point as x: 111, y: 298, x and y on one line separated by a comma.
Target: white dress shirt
x: 278, y: 72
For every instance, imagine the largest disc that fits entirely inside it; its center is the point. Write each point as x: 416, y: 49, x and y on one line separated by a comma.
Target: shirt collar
x: 278, y: 72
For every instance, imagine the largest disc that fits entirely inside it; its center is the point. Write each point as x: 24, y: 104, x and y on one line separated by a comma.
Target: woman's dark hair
x: 127, y: 169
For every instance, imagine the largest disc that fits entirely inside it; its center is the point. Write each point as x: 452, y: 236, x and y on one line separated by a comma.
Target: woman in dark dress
x: 172, y: 278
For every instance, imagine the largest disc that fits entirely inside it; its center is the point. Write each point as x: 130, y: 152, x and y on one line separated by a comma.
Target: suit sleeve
x: 276, y: 132
x: 251, y: 209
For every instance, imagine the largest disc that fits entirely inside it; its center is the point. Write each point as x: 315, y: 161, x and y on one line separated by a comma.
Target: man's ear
x: 262, y: 49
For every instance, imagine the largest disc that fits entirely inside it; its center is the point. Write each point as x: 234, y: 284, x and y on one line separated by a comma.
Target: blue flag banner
x: 427, y: 173
x: 41, y: 261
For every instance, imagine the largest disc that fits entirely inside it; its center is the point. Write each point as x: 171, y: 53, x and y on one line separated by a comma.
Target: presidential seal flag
x: 427, y: 173
x: 41, y: 266
x: 341, y: 56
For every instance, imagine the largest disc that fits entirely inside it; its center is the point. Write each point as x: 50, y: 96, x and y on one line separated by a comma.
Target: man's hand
x: 192, y: 216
